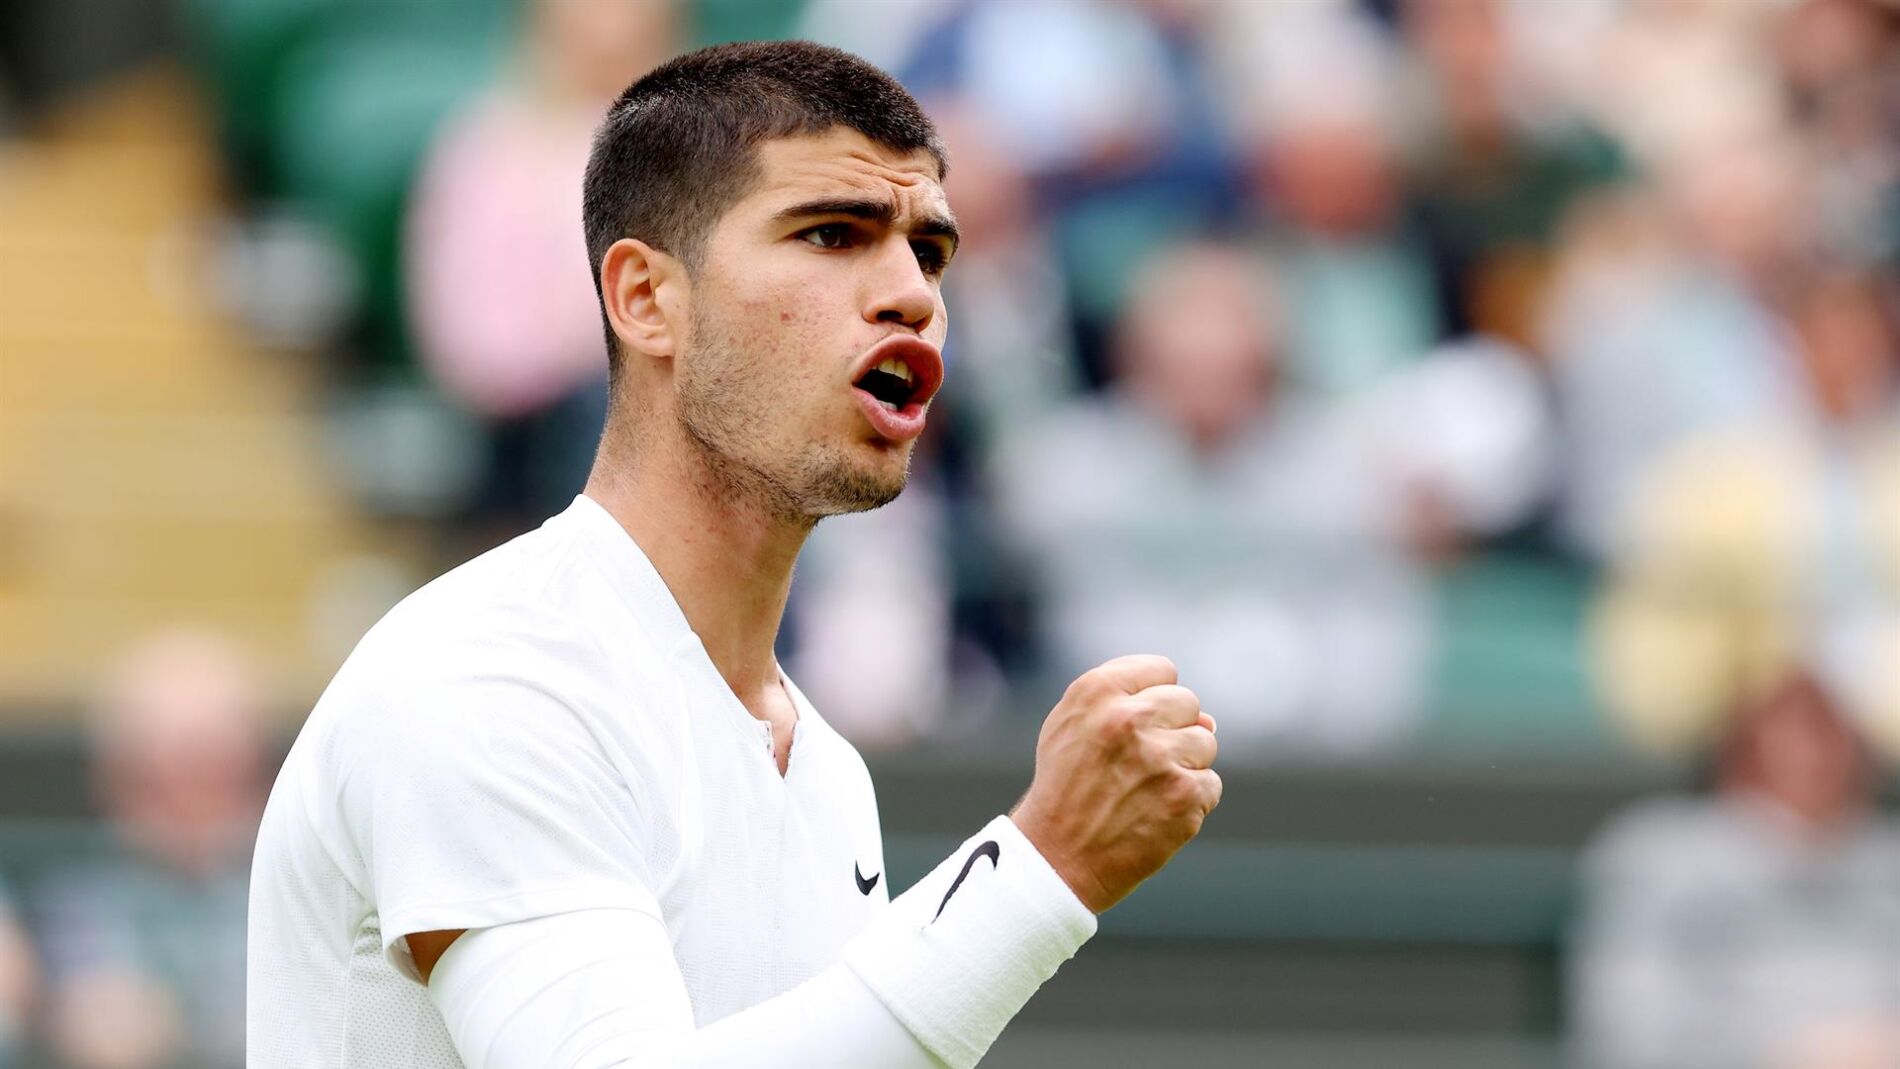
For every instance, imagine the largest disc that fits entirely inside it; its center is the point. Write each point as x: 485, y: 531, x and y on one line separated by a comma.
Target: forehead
x: 841, y: 162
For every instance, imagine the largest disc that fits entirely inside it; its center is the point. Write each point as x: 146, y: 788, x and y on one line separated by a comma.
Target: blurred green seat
x: 357, y: 112
x: 1511, y: 676
x: 239, y: 48
x: 713, y: 22
x: 31, y: 848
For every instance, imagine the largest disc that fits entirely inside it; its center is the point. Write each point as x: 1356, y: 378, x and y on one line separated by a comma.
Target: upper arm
x: 593, y: 988
x: 426, y: 948
x: 481, y: 800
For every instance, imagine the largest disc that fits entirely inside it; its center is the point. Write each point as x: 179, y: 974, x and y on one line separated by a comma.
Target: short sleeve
x: 485, y: 799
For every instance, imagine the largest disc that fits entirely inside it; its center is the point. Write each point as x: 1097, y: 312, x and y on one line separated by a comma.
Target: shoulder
x: 529, y: 637
x: 541, y: 601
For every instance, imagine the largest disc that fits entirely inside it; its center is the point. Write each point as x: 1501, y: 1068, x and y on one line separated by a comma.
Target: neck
x: 724, y: 555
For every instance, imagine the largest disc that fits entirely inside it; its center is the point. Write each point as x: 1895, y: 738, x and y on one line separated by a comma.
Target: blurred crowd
x: 1303, y: 341
x: 1757, y: 925
x: 1307, y: 342
x: 136, y: 952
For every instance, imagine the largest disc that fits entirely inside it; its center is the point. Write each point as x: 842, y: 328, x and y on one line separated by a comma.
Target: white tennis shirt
x: 540, y: 732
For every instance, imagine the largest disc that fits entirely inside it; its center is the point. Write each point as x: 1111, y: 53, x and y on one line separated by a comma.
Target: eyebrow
x: 883, y: 212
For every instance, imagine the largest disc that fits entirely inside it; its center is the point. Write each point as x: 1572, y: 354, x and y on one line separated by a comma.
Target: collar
x: 629, y: 571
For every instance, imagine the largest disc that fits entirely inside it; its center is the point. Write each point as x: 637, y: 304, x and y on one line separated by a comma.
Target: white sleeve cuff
x: 957, y: 955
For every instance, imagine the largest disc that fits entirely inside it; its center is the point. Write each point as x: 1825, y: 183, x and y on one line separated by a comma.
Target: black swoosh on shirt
x: 865, y: 886
x: 986, y: 848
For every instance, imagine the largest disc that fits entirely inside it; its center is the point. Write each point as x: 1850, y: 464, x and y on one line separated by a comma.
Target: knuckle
x: 1122, y: 722
x: 1138, y: 708
x: 1180, y: 791
x: 1178, y: 703
x: 1163, y: 694
x: 1152, y: 753
x: 1145, y: 665
x: 1083, y: 685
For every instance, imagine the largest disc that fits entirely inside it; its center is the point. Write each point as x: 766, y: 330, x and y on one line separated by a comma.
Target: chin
x: 861, y: 496
x: 846, y: 488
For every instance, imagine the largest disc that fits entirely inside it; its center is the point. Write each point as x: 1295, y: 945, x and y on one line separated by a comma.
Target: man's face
x: 838, y: 251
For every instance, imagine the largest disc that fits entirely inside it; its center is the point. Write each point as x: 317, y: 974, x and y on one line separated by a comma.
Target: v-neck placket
x: 690, y: 656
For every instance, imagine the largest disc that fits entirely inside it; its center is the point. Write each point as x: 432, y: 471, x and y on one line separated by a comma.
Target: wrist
x: 1080, y: 879
x: 957, y: 955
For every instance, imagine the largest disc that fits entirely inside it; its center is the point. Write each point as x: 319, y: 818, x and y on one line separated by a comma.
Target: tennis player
x: 561, y: 807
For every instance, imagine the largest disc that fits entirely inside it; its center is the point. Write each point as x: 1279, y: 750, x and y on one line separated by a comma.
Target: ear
x: 642, y: 288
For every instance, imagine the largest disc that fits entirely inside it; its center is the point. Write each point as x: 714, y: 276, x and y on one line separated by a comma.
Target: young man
x: 561, y: 807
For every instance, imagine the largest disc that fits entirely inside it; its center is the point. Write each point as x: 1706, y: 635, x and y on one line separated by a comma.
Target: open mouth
x: 891, y: 382
x: 900, y: 375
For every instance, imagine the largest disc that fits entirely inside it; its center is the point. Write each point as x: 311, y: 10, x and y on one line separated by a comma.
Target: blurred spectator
x: 1839, y: 61
x: 1666, y: 69
x: 1199, y: 511
x: 1106, y: 106
x: 1759, y: 927
x: 144, y: 948
x: 1665, y: 321
x: 1498, y: 155
x: 1010, y: 352
x: 18, y: 984
x: 502, y: 298
x: 1771, y: 542
x: 1467, y: 436
x: 1661, y: 321
x: 1315, y: 87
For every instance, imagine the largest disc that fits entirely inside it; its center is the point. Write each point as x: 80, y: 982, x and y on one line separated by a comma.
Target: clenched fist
x: 1123, y: 778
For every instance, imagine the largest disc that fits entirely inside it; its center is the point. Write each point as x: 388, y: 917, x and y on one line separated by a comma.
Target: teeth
x: 895, y: 367
x: 892, y: 405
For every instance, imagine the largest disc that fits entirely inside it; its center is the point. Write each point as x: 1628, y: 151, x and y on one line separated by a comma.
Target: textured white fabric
x: 599, y: 989
x: 539, y: 732
x: 957, y: 955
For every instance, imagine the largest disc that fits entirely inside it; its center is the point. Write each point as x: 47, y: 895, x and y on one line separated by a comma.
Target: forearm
x: 516, y: 996
x: 931, y: 982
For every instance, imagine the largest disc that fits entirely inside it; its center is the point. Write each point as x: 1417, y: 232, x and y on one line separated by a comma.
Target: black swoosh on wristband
x: 986, y: 848
x: 865, y: 886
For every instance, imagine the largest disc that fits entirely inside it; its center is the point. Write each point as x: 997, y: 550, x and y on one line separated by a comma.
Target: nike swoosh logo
x: 986, y: 848
x: 864, y: 886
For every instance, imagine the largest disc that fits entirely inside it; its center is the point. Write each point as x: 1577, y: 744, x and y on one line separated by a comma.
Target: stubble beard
x: 721, y: 410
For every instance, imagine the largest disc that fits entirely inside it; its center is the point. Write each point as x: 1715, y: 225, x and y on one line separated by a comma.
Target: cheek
x: 789, y: 322
x: 792, y: 334
x: 939, y: 328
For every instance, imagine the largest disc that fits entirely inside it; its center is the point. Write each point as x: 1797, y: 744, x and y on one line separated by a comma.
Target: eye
x: 828, y: 236
x: 931, y: 257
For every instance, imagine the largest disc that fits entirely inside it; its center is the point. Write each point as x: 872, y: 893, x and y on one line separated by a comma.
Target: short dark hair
x: 679, y: 146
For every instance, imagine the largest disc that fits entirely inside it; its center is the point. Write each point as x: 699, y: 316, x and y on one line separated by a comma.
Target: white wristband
x: 957, y: 955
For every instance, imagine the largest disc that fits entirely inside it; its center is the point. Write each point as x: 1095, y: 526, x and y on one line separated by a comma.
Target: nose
x: 902, y: 293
